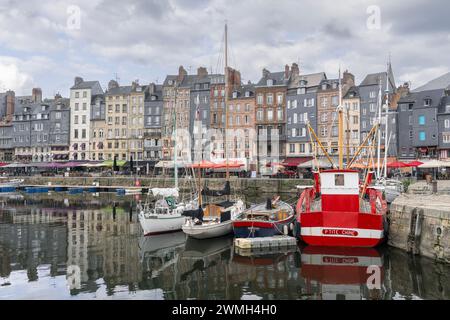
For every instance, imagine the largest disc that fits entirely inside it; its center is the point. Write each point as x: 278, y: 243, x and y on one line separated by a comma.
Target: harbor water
x: 61, y: 246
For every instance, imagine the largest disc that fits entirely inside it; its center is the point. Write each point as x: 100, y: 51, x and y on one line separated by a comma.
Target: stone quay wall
x: 420, y: 224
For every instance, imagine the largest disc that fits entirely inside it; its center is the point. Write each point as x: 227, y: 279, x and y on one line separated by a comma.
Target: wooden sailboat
x: 214, y: 219
x: 341, y: 210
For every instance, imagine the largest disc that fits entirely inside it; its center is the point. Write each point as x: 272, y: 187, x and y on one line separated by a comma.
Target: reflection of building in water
x: 343, y: 273
x: 102, y: 244
x: 26, y: 243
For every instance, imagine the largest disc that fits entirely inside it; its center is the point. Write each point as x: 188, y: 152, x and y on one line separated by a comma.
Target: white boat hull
x: 207, y: 231
x: 159, y: 224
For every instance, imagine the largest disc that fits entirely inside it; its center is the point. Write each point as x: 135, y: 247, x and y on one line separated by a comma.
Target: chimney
x: 36, y: 95
x: 295, y: 69
x: 78, y: 80
x: 113, y: 84
x: 286, y: 71
x: 151, y: 88
x: 265, y: 73
x: 134, y: 85
x: 181, y: 74
x: 202, y: 72
x: 348, y: 79
x: 58, y: 96
x: 10, y: 103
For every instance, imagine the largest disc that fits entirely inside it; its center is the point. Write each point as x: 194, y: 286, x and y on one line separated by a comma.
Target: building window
x: 259, y: 99
x: 269, y: 99
x: 269, y: 114
x: 292, y: 148
x: 280, y: 99
x: 302, y: 148
x: 280, y: 114
x: 324, y: 102
x: 259, y: 115
x: 422, y: 120
x: 447, y: 123
x: 335, y: 100
x: 422, y: 136
x: 427, y: 102
x: 372, y: 107
x: 372, y: 94
x: 269, y: 82
x: 446, y: 137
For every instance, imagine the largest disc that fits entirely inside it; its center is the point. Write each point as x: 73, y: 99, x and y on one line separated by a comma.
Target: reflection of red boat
x: 265, y: 260
x: 340, y: 272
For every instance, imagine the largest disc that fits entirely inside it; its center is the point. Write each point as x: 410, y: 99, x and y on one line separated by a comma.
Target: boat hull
x: 161, y: 224
x: 342, y: 229
x: 208, y: 231
x: 253, y: 229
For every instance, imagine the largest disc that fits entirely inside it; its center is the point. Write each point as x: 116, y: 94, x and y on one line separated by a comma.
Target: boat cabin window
x: 339, y: 180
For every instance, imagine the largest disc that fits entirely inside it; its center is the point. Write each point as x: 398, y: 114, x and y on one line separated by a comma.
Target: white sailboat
x: 10, y: 183
x: 215, y: 219
x: 166, y: 214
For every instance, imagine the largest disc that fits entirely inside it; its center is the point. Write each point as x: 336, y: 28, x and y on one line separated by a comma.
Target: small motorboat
x: 392, y: 189
x: 268, y: 219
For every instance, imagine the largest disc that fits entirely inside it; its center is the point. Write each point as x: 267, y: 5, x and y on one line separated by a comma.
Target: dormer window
x: 335, y: 85
x: 269, y: 82
x: 301, y: 90
x: 170, y: 82
x: 324, y: 86
x: 247, y: 94
x: 153, y: 98
x: 427, y: 102
x: 235, y: 94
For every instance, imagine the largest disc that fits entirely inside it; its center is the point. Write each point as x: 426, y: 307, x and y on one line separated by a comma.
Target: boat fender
x: 291, y: 226
x: 285, y: 230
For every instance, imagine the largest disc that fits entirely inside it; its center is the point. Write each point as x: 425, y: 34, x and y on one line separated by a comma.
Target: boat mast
x: 341, y: 126
x: 175, y: 138
x: 386, y: 142
x: 226, y: 102
x: 379, y: 132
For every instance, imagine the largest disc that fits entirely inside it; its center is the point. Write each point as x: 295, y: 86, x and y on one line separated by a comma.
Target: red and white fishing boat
x: 341, y: 210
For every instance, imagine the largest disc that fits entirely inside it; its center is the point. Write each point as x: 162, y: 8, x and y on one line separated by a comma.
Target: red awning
x: 2, y: 164
x: 294, y: 162
x: 414, y: 164
x: 397, y: 164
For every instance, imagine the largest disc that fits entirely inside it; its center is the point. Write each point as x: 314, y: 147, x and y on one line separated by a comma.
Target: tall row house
x: 200, y: 117
x: 301, y: 109
x: 270, y: 120
x: 419, y: 131
x: 218, y: 111
x: 369, y: 91
x: 136, y: 121
x: 176, y: 107
x: 7, y: 103
x: 153, y: 112
x: 118, y: 112
x: 241, y: 113
x: 351, y: 102
x: 327, y: 113
x: 98, y: 127
x: 41, y: 131
x: 80, y: 117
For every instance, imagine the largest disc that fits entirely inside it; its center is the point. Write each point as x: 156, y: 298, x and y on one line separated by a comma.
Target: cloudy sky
x: 43, y: 43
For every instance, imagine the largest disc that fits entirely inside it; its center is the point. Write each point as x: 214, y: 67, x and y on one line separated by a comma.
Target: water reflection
x: 55, y: 247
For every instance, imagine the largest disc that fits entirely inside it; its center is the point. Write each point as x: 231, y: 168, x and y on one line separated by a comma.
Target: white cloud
x: 141, y: 36
x: 12, y: 77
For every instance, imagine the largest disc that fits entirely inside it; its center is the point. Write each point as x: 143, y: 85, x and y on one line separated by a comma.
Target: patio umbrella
x: 204, y: 164
x: 397, y: 164
x: 434, y: 164
x: 2, y: 164
x: 414, y: 163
